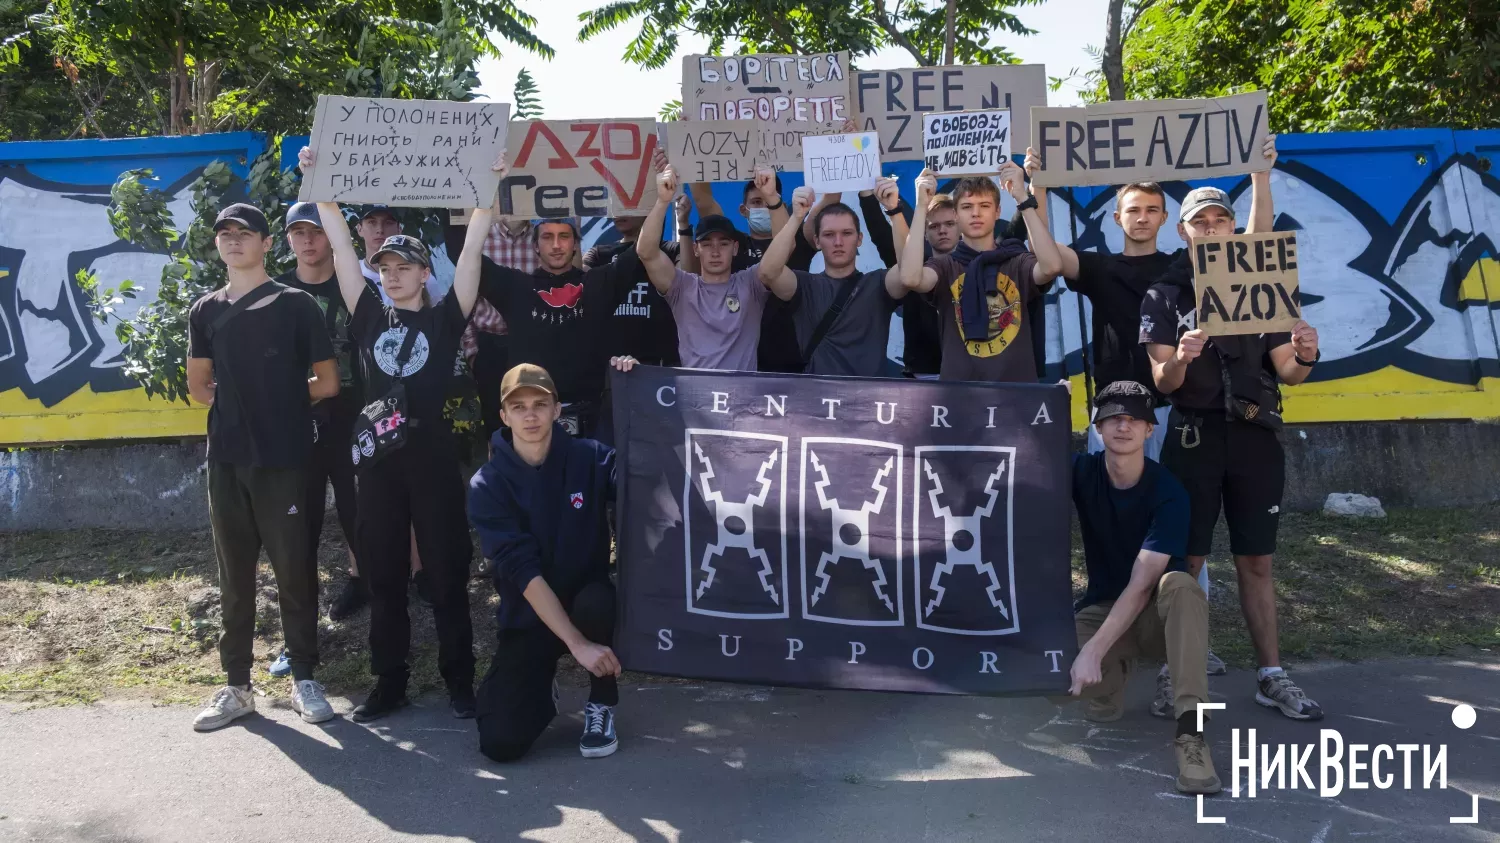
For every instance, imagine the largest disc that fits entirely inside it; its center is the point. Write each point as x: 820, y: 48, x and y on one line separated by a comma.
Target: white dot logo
x: 1464, y: 715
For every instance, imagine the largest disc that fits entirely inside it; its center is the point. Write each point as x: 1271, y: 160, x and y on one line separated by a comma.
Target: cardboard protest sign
x: 968, y: 143
x: 580, y: 168
x: 841, y: 163
x: 1150, y: 140
x: 407, y: 153
x: 768, y: 88
x: 889, y: 101
x: 730, y: 150
x: 1246, y: 283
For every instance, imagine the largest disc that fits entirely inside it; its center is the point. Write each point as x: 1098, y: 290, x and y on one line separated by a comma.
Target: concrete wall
x: 149, y: 485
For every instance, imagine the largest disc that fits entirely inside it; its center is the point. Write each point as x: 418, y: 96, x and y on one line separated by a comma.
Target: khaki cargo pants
x: 1172, y: 628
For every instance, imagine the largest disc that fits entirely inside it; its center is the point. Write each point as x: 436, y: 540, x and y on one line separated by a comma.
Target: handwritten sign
x: 768, y: 88
x: 967, y: 143
x: 1247, y: 283
x: 579, y: 168
x: 408, y: 153
x: 841, y: 163
x: 730, y: 150
x: 1150, y: 140
x: 890, y: 101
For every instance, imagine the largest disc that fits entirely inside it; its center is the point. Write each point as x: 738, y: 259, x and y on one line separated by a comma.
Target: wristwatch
x: 685, y: 231
x: 1308, y: 363
x: 1028, y: 204
x: 778, y: 206
x: 891, y: 212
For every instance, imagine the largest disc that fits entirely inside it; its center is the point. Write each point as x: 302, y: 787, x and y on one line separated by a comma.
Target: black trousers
x: 515, y: 699
x: 250, y: 507
x: 417, y: 487
x: 331, y: 463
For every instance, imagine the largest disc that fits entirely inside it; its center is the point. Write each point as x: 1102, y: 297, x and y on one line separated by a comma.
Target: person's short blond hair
x: 940, y: 202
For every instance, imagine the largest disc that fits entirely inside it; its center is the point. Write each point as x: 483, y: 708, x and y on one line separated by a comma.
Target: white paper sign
x: 841, y: 163
x: 966, y: 143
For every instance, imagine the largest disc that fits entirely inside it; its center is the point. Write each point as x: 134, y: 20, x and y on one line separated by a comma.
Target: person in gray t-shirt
x: 853, y: 340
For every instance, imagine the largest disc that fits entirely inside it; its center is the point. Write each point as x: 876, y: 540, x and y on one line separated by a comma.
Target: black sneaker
x: 461, y: 702
x: 383, y: 699
x: 421, y: 588
x: 350, y: 600
x: 598, y: 738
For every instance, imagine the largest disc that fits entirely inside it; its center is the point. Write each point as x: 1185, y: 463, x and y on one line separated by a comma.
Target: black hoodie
x: 546, y: 520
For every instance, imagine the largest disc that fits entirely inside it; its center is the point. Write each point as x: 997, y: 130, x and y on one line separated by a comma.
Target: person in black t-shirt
x: 251, y: 344
x: 419, y: 485
x: 333, y: 418
x: 923, y: 346
x: 641, y: 326
x: 1225, y: 447
x: 1140, y: 601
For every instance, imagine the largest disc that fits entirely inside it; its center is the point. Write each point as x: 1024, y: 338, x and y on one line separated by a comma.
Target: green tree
x: 777, y: 26
x: 527, y: 96
x: 1330, y: 65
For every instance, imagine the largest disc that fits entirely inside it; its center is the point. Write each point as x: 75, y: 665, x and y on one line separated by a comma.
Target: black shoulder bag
x: 840, y: 301
x: 1251, y: 393
x: 380, y: 428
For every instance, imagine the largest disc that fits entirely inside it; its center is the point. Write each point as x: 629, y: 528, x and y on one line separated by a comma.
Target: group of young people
x: 329, y: 373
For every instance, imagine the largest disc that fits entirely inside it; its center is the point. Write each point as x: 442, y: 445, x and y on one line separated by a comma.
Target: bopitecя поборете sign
x: 408, y: 153
x: 968, y: 143
x: 769, y: 88
x: 1246, y: 283
x: 1150, y: 140
x: 841, y: 163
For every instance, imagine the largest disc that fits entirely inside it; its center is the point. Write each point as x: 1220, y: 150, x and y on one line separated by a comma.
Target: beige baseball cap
x: 527, y: 375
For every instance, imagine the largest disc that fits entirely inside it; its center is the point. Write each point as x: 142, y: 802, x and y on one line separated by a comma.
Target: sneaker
x: 1105, y: 709
x: 1164, y: 704
x: 350, y: 600
x: 598, y: 731
x: 1195, y: 766
x: 229, y: 703
x: 1278, y: 691
x: 282, y: 667
x: 383, y: 699
x: 1216, y: 665
x: 461, y: 702
x: 308, y: 701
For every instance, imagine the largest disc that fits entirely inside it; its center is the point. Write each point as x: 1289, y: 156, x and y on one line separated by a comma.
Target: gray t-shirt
x: 718, y: 325
x: 856, y: 342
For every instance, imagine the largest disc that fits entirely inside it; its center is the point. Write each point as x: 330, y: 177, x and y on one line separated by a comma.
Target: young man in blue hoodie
x: 539, y: 508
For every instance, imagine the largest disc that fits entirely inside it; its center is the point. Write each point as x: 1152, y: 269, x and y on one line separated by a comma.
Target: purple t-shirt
x: 718, y: 325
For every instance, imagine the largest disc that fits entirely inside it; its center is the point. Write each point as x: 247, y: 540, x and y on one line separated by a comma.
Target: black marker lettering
x: 1159, y: 138
x: 1096, y: 144
x: 1187, y: 141
x: 1120, y: 143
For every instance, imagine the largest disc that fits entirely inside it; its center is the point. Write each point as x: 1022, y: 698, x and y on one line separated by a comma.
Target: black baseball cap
x: 303, y: 212
x: 370, y: 210
x: 245, y: 214
x: 1125, y: 398
x: 405, y: 247
x: 715, y: 224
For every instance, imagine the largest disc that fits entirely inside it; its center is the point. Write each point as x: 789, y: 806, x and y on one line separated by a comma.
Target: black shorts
x: 1236, y: 462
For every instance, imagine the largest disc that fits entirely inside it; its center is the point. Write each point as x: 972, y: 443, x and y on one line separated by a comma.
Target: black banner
x: 891, y: 535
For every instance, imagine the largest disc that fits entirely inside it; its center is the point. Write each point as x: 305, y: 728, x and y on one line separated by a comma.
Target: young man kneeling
x: 1140, y: 601
x: 539, y: 508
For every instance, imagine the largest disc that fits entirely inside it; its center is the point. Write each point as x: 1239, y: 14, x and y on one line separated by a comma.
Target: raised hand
x: 926, y: 187
x: 659, y: 159
x: 1190, y: 347
x: 681, y: 207
x: 1305, y: 341
x: 1033, y: 163
x: 802, y: 199
x: 1013, y: 179
x: 765, y: 183
x: 1268, y: 149
x: 305, y: 159
x: 666, y: 184
x: 501, y: 166
x: 887, y: 193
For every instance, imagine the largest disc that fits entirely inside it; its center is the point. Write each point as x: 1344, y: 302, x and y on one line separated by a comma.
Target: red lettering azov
x: 595, y: 143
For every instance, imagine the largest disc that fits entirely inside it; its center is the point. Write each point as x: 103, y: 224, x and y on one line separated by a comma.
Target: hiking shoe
x: 598, y: 731
x: 1105, y: 709
x: 1195, y: 766
x: 1215, y: 665
x: 383, y: 699
x: 1164, y: 704
x: 308, y: 701
x: 282, y: 667
x: 349, y: 601
x: 229, y: 703
x: 1278, y: 691
x: 461, y: 702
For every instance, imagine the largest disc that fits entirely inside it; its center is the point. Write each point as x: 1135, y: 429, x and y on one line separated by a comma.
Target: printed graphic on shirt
x: 635, y: 303
x: 389, y: 346
x: 577, y: 500
x: 1004, y: 316
x: 565, y: 296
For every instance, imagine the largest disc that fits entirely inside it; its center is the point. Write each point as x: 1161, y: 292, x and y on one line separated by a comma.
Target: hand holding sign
x: 765, y: 184
x: 802, y: 199
x: 666, y: 185
x: 1033, y: 163
x: 926, y: 187
x: 501, y: 167
x: 305, y: 160
x: 887, y: 193
x: 1013, y: 179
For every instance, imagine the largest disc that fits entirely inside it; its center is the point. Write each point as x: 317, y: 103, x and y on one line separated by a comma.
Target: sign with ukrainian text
x: 769, y: 88
x: 406, y: 153
x: 580, y: 168
x: 730, y: 150
x: 889, y: 535
x: 968, y: 143
x: 1247, y: 283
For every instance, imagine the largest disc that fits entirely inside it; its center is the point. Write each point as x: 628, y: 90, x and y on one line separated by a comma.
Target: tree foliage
x: 1330, y: 65
x: 527, y: 98
x: 810, y: 26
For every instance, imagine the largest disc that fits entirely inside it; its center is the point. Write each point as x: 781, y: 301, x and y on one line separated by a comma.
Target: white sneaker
x: 308, y: 701
x: 229, y: 703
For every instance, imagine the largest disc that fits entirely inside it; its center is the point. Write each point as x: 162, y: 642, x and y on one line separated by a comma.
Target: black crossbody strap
x: 840, y: 300
x: 243, y: 304
x: 404, y: 353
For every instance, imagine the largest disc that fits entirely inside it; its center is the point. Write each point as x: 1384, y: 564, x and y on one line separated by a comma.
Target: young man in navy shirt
x: 1140, y: 600
x: 539, y: 508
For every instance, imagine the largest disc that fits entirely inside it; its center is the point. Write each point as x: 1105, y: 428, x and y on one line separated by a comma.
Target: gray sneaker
x: 1165, y: 702
x: 1215, y: 665
x: 229, y: 704
x: 1278, y: 691
x: 308, y: 701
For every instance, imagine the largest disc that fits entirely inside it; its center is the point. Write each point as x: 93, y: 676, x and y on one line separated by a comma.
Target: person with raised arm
x: 406, y: 354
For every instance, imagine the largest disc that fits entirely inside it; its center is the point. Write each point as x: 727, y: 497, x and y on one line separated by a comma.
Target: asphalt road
x: 733, y: 763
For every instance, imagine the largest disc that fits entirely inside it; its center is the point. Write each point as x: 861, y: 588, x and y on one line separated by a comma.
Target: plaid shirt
x: 514, y: 252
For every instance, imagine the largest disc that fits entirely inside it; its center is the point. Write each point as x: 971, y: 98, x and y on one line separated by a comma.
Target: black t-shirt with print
x: 379, y: 332
x: 1116, y: 285
x: 559, y: 322
x: 1007, y: 354
x: 336, y: 319
x: 1167, y: 313
x: 642, y: 325
x: 262, y: 413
